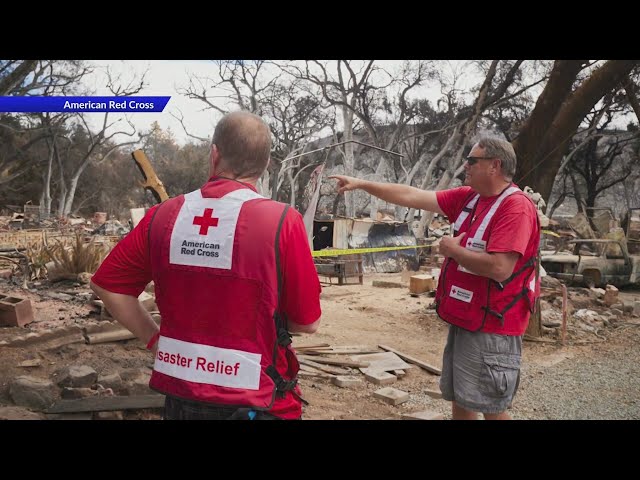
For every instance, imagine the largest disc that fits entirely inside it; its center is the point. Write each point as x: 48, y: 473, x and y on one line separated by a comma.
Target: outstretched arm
x: 395, y: 193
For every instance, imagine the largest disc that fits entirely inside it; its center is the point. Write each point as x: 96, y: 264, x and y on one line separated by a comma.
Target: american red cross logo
x: 454, y: 291
x: 206, y: 221
x: 469, y: 243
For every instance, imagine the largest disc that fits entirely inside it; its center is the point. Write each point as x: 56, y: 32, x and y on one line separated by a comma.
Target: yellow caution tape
x: 352, y: 251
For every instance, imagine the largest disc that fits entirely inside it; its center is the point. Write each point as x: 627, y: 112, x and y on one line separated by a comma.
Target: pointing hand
x: 346, y: 183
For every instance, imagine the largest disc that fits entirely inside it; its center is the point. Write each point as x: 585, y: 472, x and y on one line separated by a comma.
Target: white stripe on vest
x: 205, y: 229
x: 465, y: 213
x: 205, y: 364
x: 477, y: 242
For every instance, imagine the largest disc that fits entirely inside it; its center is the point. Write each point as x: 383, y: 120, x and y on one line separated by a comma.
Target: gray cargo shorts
x: 480, y: 371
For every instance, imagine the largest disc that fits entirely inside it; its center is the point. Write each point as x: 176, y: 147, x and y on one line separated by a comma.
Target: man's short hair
x: 243, y: 140
x: 502, y: 149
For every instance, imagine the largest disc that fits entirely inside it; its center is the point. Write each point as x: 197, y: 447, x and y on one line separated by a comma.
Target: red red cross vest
x: 474, y: 302
x: 213, y: 260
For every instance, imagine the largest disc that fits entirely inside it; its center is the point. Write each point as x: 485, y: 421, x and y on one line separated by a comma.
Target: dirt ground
x: 352, y: 315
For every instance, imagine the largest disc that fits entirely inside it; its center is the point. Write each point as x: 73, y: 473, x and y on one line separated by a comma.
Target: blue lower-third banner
x: 83, y: 104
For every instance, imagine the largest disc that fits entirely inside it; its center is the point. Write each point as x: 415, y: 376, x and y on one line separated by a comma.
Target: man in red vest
x: 233, y: 275
x: 488, y: 282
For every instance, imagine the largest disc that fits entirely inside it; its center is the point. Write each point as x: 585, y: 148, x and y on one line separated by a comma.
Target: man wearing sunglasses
x: 488, y: 282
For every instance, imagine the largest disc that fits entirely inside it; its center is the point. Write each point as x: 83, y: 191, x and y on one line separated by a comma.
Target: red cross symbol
x: 206, y: 221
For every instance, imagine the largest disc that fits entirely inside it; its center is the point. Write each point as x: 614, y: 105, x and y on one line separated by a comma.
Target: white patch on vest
x: 475, y: 245
x: 205, y: 229
x: 205, y: 364
x: 461, y: 294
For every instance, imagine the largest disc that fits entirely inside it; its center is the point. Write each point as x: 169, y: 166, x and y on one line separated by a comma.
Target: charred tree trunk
x: 545, y: 136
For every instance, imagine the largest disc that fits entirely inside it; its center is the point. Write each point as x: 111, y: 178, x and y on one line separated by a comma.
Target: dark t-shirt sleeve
x: 301, y: 286
x: 127, y: 268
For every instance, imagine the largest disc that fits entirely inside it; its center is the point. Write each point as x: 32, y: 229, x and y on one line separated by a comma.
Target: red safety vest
x: 214, y: 266
x: 474, y: 302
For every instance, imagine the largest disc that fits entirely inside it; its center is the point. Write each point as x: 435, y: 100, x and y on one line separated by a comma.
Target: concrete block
x: 380, y: 378
x: 392, y: 396
x: 346, y: 381
x: 434, y: 393
x: 424, y: 415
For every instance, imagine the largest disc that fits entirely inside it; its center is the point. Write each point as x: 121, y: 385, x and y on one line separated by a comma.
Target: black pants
x: 180, y: 409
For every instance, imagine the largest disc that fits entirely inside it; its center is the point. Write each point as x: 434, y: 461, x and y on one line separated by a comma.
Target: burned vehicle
x: 594, y: 262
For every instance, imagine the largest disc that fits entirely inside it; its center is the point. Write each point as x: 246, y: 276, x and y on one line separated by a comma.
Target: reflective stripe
x: 465, y: 213
x: 487, y: 218
x: 476, y: 243
x: 198, y: 363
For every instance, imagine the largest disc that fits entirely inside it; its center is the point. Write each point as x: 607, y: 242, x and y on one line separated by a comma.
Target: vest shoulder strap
x: 284, y: 338
x: 471, y: 200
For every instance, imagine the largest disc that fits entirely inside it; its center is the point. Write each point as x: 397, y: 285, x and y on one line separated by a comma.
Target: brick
x: 380, y: 378
x: 392, y: 396
x: 15, y: 312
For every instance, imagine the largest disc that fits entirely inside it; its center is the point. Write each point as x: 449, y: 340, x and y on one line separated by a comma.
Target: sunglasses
x: 474, y: 160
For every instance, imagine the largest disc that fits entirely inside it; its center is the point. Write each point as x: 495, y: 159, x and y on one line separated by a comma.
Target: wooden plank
x: 36, y: 362
x: 324, y: 368
x: 415, y: 361
x: 529, y: 338
x: 340, y: 347
x: 340, y: 352
x: 303, y: 374
x: 103, y: 404
x: 333, y: 361
x: 114, y: 336
x: 309, y: 369
x: 61, y: 342
x: 315, y: 345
